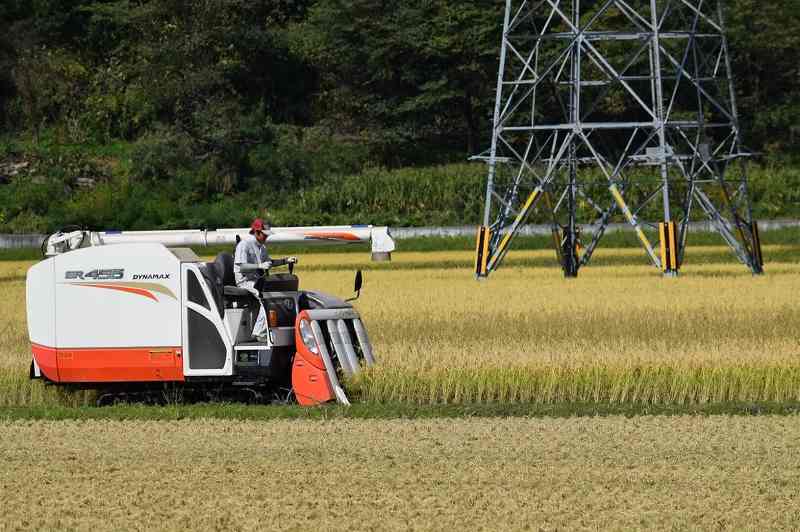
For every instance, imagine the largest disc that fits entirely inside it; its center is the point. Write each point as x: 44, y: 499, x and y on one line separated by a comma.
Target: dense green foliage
x: 177, y: 113
x: 432, y: 195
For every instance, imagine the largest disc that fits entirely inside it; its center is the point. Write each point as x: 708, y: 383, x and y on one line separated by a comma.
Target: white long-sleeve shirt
x: 248, y: 251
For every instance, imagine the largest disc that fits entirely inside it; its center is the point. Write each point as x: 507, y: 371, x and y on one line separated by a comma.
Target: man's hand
x: 282, y: 262
x: 265, y: 265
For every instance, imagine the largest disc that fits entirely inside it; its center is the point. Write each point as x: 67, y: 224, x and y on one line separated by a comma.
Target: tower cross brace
x: 615, y: 108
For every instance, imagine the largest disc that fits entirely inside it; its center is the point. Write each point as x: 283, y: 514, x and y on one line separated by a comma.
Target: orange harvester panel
x: 309, y: 378
x: 46, y: 359
x: 311, y: 384
x: 139, y: 364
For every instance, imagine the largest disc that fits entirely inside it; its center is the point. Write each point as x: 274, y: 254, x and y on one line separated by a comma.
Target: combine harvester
x: 138, y: 314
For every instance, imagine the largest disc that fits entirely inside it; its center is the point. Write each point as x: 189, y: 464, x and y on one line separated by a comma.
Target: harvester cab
x: 139, y: 317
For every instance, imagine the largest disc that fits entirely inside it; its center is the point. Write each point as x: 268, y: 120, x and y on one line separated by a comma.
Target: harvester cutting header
x: 136, y: 313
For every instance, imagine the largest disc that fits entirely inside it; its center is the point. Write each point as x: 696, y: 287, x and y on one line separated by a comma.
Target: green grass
x: 20, y: 254
x: 390, y: 411
x: 50, y: 141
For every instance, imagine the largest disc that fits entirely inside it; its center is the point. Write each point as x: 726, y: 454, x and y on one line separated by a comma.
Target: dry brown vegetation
x: 618, y: 334
x: 704, y: 473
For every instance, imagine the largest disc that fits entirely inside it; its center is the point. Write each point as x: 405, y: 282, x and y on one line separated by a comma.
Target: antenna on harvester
x: 616, y: 109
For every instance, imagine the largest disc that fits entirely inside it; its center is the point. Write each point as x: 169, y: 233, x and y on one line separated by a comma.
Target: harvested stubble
x: 618, y: 334
x: 703, y: 473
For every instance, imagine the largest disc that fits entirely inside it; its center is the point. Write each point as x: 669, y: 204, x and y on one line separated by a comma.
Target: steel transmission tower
x: 615, y: 109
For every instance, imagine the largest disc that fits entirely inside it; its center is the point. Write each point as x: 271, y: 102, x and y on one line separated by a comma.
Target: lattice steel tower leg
x: 615, y: 108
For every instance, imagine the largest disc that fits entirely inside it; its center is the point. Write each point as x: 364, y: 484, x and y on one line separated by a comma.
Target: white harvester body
x: 140, y: 314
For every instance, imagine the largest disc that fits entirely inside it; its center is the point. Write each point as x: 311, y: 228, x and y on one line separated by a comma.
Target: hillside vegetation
x: 175, y: 113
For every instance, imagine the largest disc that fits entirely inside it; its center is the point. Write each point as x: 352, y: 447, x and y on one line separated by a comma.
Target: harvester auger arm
x: 381, y: 240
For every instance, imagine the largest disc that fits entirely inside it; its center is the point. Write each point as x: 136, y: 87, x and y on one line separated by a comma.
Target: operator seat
x: 280, y: 282
x: 224, y: 266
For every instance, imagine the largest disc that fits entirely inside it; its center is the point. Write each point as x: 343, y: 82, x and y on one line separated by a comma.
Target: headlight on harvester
x: 307, y: 335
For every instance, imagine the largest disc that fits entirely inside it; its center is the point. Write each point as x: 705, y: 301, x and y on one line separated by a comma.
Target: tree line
x: 198, y: 101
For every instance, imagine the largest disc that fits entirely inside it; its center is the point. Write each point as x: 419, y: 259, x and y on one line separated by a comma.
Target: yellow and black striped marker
x: 482, y: 251
x: 521, y: 217
x: 669, y: 247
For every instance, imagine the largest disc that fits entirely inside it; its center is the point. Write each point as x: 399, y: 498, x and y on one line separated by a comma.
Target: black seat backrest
x: 213, y: 277
x: 224, y: 266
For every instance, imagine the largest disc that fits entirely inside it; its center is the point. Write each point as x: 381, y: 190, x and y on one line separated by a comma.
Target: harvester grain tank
x: 138, y: 313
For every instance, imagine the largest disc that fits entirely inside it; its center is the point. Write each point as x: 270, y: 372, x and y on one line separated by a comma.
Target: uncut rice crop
x: 15, y: 387
x: 617, y: 334
x: 620, y: 333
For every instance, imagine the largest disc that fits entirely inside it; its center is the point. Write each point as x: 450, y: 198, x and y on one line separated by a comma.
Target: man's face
x: 261, y: 236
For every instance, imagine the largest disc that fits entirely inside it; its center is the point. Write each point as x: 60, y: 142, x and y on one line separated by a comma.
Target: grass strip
x: 784, y: 254
x: 389, y: 411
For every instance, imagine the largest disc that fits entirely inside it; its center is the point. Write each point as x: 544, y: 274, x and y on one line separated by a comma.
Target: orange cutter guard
x: 314, y: 376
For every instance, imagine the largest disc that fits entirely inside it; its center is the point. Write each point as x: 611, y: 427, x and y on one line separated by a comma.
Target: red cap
x: 257, y: 225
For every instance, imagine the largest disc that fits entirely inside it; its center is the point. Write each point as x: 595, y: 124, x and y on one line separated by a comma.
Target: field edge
x: 388, y: 411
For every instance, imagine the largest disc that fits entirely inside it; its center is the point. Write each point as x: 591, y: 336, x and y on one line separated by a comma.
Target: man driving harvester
x: 250, y: 263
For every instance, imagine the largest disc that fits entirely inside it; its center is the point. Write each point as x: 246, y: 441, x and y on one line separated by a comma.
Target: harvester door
x: 207, y: 347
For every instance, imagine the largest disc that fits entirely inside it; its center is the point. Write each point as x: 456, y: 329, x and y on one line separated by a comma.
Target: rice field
x: 619, y: 334
x: 664, y: 473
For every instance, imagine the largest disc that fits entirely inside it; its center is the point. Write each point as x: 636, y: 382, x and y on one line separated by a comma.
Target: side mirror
x: 357, y: 286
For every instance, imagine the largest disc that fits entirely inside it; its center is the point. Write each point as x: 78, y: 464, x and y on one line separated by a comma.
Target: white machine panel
x: 118, y: 296
x: 41, y: 303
